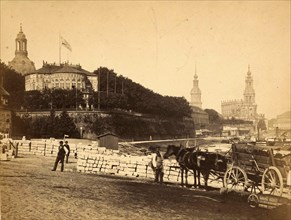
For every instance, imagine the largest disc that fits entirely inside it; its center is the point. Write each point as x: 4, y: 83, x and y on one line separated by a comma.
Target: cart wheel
x: 235, y: 178
x: 253, y: 200
x: 272, y: 181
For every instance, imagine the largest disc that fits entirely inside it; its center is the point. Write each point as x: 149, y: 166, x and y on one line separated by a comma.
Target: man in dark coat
x: 68, y: 154
x: 60, y: 157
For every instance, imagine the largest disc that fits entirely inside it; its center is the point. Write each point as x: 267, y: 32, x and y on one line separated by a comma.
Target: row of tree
x: 126, y: 127
x: 45, y: 126
x: 116, y: 92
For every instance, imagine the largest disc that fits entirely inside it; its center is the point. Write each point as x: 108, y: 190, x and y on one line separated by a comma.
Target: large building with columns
x: 62, y: 76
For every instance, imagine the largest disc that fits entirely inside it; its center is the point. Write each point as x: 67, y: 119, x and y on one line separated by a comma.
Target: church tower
x: 196, y: 92
x: 249, y: 93
x: 21, y: 63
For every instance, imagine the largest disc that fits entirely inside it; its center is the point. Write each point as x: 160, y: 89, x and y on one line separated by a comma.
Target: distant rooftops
x: 48, y: 68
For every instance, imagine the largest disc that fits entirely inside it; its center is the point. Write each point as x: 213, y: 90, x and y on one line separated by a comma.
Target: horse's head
x: 171, y: 150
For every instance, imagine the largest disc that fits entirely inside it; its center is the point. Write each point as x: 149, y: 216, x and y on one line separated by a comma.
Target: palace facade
x: 63, y: 76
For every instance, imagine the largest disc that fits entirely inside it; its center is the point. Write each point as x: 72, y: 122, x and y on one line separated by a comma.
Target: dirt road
x: 30, y: 190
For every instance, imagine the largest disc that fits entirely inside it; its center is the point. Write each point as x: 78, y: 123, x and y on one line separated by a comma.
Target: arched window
x: 62, y: 84
x: 18, y: 45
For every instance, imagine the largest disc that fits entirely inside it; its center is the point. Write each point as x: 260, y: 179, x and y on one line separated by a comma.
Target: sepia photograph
x: 145, y: 109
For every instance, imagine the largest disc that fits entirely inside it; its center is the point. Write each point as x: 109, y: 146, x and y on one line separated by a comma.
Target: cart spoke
x: 268, y: 178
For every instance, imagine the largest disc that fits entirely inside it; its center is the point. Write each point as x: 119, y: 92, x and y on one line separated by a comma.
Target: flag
x: 65, y: 43
x: 66, y: 136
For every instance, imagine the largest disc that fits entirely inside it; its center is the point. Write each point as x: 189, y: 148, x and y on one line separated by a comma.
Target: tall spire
x: 249, y: 93
x: 20, y: 27
x: 195, y: 76
x: 249, y: 70
x: 195, y: 91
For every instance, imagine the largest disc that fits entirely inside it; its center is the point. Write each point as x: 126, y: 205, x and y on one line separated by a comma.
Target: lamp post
x: 99, y: 88
x: 81, y: 132
x: 76, y: 96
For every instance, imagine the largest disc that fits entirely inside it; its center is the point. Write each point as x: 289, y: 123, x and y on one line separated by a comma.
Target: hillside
x: 133, y: 111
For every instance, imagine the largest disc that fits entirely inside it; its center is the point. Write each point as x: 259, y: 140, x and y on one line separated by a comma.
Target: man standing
x: 60, y: 157
x: 68, y: 153
x: 157, y: 163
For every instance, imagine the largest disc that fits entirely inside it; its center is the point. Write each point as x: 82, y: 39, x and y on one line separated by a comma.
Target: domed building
x: 21, y: 63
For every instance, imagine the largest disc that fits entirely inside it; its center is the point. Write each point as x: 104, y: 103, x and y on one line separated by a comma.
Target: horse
x: 183, y: 157
x: 207, y: 162
x: 198, y: 161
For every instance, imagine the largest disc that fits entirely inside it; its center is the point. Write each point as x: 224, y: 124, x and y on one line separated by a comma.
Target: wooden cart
x: 256, y: 169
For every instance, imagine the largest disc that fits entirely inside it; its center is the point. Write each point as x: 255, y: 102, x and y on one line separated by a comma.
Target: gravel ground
x: 30, y: 190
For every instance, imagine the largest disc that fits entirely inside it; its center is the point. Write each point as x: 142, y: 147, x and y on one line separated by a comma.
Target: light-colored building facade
x: 245, y: 108
x: 283, y: 121
x: 63, y: 76
x: 200, y: 117
x: 21, y: 63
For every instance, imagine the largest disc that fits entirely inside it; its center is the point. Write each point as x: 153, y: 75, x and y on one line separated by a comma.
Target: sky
x: 158, y: 44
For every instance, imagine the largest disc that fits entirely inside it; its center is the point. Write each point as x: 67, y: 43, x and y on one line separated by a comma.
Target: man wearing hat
x: 60, y: 157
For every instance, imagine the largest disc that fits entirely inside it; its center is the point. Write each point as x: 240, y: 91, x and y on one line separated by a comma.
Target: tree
x: 14, y: 83
x: 261, y: 126
x: 213, y: 115
x: 65, y: 125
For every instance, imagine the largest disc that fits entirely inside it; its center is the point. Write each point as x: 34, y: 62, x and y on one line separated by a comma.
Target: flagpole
x: 99, y: 88
x: 60, y: 49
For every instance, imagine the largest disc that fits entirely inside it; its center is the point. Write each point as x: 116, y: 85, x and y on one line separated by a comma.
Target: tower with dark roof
x: 21, y: 63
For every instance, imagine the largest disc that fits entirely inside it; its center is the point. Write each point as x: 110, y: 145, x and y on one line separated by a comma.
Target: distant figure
x: 157, y: 165
x: 68, y: 154
x: 60, y: 157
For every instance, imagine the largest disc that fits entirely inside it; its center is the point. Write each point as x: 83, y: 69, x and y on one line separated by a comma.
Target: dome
x: 21, y: 36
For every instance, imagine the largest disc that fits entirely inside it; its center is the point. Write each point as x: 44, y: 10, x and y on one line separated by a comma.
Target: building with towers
x: 199, y: 116
x: 21, y: 63
x: 246, y: 108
